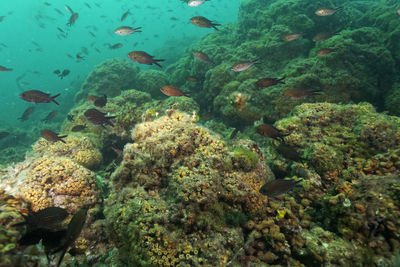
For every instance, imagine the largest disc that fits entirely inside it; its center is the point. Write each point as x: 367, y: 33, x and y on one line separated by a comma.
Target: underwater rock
x: 151, y: 81
x: 109, y: 78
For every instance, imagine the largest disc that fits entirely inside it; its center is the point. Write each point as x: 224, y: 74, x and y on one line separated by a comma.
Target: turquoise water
x: 30, y: 22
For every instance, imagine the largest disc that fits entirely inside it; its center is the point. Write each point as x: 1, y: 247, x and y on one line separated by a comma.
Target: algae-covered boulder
x: 177, y: 185
x: 109, y: 78
x: 151, y: 81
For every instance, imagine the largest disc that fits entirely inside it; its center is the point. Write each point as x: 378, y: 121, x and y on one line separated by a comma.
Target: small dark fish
x: 44, y: 218
x: 79, y: 57
x: 267, y: 82
x: 125, y: 30
x: 51, y: 136
x: 202, y: 22
x: 142, y: 57
x: 291, y: 37
x: 100, y: 101
x: 69, y: 9
x: 64, y: 73
x: 4, y: 69
x: 202, y: 57
x: 267, y: 130
x: 58, y: 11
x: 288, y: 152
x: 327, y: 11
x: 324, y: 52
x: 86, y: 4
x: 36, y: 96
x: 50, y: 116
x: 85, y: 50
x: 74, y: 229
x: 73, y: 19
x: 170, y: 90
x: 60, y: 30
x: 115, y: 46
x: 26, y: 114
x: 70, y: 117
x: 78, y: 128
x: 2, y: 18
x: 57, y: 72
x: 123, y: 17
x: 97, y: 117
x: 243, y: 65
x: 4, y: 135
x: 277, y: 187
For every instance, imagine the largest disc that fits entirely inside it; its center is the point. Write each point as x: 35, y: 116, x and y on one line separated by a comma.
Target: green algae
x: 245, y: 158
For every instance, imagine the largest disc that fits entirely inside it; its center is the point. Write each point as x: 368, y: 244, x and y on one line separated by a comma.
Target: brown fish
x: 191, y: 79
x: 44, y: 218
x: 78, y: 128
x: 243, y: 65
x: 123, y: 17
x: 142, y: 57
x: 292, y: 37
x: 72, y: 19
x: 26, y: 114
x: 202, y: 22
x: 277, y: 187
x: 170, y: 90
x: 322, y: 36
x: 297, y: 93
x: 92, y: 98
x: 97, y: 117
x: 267, y: 82
x: 4, y: 69
x: 202, y: 57
x: 4, y: 134
x: 74, y: 229
x: 324, y: 52
x: 115, y: 46
x: 288, y: 152
x: 327, y: 11
x: 50, y: 116
x: 36, y: 96
x: 51, y: 136
x: 270, y: 131
x: 100, y: 101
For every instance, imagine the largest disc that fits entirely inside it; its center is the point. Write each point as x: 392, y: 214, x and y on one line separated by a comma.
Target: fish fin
x: 61, y: 257
x: 214, y: 25
x: 137, y: 29
x: 339, y: 8
x: 158, y: 60
x: 281, y: 80
x: 186, y: 94
x: 61, y: 138
x: 110, y: 122
x: 53, y: 98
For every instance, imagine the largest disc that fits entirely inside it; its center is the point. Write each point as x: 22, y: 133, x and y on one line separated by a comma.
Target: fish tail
x: 155, y: 61
x: 339, y: 8
x: 186, y: 94
x: 61, y: 138
x: 214, y: 25
x: 61, y: 257
x: 110, y: 122
x: 137, y: 29
x: 281, y: 80
x: 53, y: 98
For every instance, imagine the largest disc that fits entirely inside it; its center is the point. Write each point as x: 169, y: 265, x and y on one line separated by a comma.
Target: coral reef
x: 109, y: 78
x: 171, y: 194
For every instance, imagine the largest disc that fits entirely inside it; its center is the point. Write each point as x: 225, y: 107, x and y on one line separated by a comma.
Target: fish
x: 298, y: 93
x: 100, y: 101
x: 4, y: 69
x: 291, y: 37
x: 79, y: 57
x: 92, y: 98
x: 97, y: 117
x: 78, y: 128
x: 126, y: 14
x: 322, y: 36
x: 72, y: 19
x: 267, y: 82
x: 191, y: 79
x: 57, y: 72
x: 202, y: 22
x: 288, y: 152
x: 88, y: 6
x: 64, y: 73
x: 142, y: 57
x: 2, y: 18
x: 327, y: 11
x: 324, y: 52
x: 267, y: 130
x: 74, y: 229
x: 4, y: 134
x: 26, y: 114
x: 44, y: 218
x: 36, y: 96
x: 243, y: 65
x: 51, y: 136
x: 202, y: 57
x: 58, y: 11
x: 195, y: 3
x: 277, y: 187
x: 125, y: 30
x: 170, y: 90
x: 50, y: 239
x: 115, y: 46
x: 50, y: 116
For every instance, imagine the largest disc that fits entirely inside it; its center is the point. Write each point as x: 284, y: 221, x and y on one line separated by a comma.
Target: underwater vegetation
x: 273, y: 141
